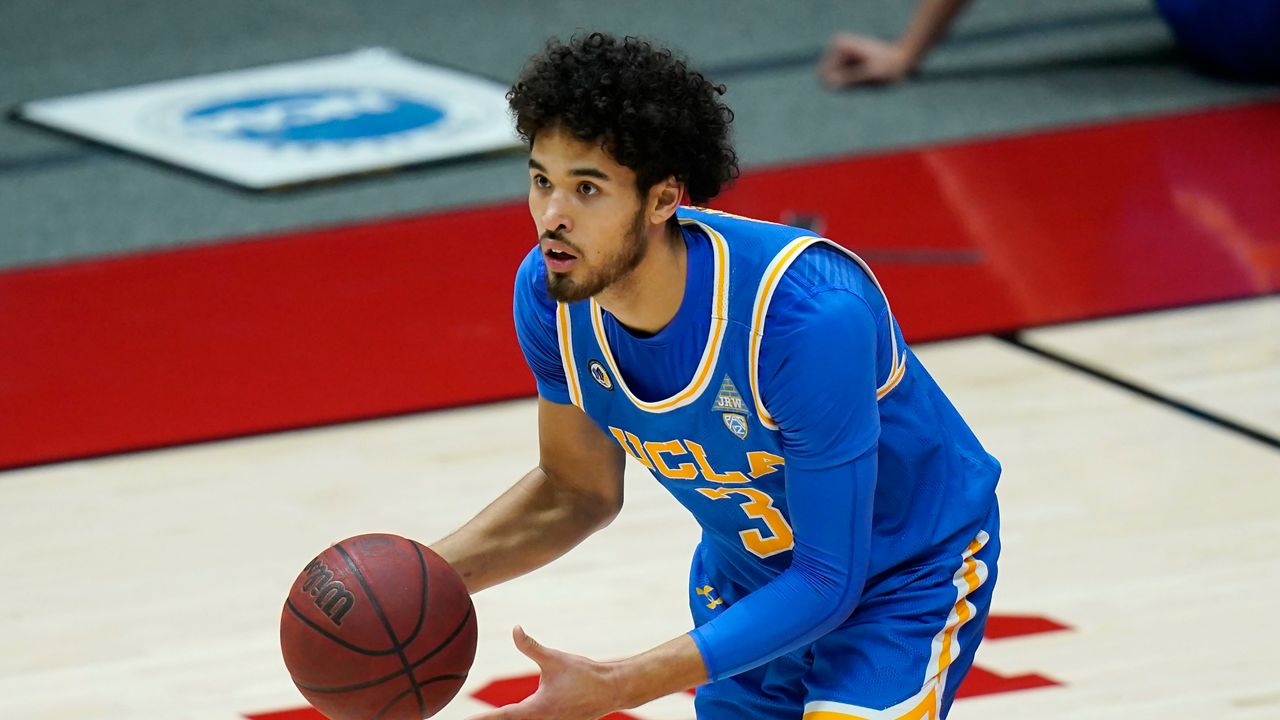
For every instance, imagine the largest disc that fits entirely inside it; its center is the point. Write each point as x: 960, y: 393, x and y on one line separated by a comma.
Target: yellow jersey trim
x: 971, y: 574
x: 715, y: 337
x: 565, y: 333
x: 924, y: 705
x: 760, y: 308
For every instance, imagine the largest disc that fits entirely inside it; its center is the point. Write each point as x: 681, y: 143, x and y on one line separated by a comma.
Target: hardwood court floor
x: 150, y: 585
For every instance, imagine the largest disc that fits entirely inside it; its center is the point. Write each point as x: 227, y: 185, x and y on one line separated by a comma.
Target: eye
x: 541, y: 181
x: 588, y: 189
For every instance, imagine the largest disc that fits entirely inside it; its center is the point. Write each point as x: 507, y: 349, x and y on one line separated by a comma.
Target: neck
x: 648, y: 297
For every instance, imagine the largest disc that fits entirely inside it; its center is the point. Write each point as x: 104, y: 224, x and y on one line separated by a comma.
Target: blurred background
x: 1071, y: 207
x: 1007, y: 68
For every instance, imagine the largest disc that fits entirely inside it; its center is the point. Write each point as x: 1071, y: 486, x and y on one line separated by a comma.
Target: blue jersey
x: 716, y: 435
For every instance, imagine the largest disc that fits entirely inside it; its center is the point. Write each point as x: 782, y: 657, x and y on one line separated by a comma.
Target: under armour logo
x: 706, y: 591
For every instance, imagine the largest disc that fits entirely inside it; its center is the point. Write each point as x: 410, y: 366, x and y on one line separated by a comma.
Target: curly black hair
x: 649, y: 110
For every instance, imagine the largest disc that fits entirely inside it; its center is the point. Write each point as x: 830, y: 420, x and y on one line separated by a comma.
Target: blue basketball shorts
x: 902, y: 654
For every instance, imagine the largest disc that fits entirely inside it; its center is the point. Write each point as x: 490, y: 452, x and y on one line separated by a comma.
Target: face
x: 589, y: 217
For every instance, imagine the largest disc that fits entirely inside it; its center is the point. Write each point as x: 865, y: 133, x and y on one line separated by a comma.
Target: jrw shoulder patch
x: 729, y: 402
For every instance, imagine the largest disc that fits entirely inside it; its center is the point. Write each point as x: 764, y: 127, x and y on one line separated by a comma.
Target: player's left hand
x: 571, y: 687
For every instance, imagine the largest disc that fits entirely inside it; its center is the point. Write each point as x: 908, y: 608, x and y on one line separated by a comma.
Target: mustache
x: 555, y: 235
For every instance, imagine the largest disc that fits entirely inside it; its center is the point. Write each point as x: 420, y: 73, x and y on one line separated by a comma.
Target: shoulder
x: 534, y: 310
x: 738, y: 226
x: 531, y: 284
x: 535, y: 320
x: 532, y: 270
x: 824, y: 280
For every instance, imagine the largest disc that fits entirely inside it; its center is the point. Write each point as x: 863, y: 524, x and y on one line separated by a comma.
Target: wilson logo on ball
x: 332, y: 597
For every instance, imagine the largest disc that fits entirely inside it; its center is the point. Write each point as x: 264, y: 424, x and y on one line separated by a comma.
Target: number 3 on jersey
x: 759, y: 506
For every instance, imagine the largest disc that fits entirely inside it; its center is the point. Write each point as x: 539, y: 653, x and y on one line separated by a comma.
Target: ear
x: 664, y: 198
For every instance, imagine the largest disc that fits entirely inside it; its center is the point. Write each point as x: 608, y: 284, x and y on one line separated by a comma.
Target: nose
x: 556, y: 216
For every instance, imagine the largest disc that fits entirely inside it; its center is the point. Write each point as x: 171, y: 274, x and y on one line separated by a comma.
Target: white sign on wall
x: 296, y: 122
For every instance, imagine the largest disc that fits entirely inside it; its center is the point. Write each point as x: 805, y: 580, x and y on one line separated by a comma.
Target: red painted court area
x: 979, y: 681
x: 367, y: 320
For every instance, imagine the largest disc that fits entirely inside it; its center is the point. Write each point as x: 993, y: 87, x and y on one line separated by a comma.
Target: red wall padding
x: 393, y: 316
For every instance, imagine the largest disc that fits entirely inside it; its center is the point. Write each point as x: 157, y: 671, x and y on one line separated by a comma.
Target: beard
x: 564, y: 289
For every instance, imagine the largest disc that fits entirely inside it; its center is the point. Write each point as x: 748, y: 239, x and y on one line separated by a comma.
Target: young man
x: 849, y: 520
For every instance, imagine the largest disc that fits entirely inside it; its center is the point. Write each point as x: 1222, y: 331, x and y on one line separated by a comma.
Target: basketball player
x: 850, y: 529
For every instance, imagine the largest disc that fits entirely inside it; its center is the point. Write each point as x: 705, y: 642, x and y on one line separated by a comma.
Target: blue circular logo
x: 339, y: 115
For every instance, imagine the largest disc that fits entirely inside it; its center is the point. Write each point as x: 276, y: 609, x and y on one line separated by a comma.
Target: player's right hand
x: 570, y: 687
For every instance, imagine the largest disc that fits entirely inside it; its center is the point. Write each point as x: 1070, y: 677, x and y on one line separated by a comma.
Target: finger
x: 838, y: 52
x: 836, y: 68
x: 529, y: 708
x: 842, y: 75
x: 833, y: 62
x: 852, y: 48
x: 530, y: 647
x: 830, y: 77
x: 522, y: 638
x: 826, y: 62
x: 847, y: 76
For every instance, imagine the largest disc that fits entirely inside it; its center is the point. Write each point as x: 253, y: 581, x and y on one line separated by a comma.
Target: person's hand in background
x: 852, y: 59
x: 857, y: 59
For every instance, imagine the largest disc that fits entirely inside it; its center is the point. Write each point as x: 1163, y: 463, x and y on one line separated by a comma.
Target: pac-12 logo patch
x: 737, y: 424
x: 598, y: 372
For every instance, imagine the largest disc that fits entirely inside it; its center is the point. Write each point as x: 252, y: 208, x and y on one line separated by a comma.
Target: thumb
x: 530, y: 647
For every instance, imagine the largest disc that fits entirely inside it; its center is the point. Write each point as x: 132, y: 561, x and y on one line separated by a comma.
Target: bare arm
x: 853, y: 59
x: 930, y: 22
x: 575, y: 490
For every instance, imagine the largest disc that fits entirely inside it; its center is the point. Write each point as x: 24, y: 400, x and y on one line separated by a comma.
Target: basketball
x: 378, y: 626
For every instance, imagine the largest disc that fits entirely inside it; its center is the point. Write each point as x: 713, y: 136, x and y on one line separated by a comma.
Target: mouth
x: 558, y: 257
